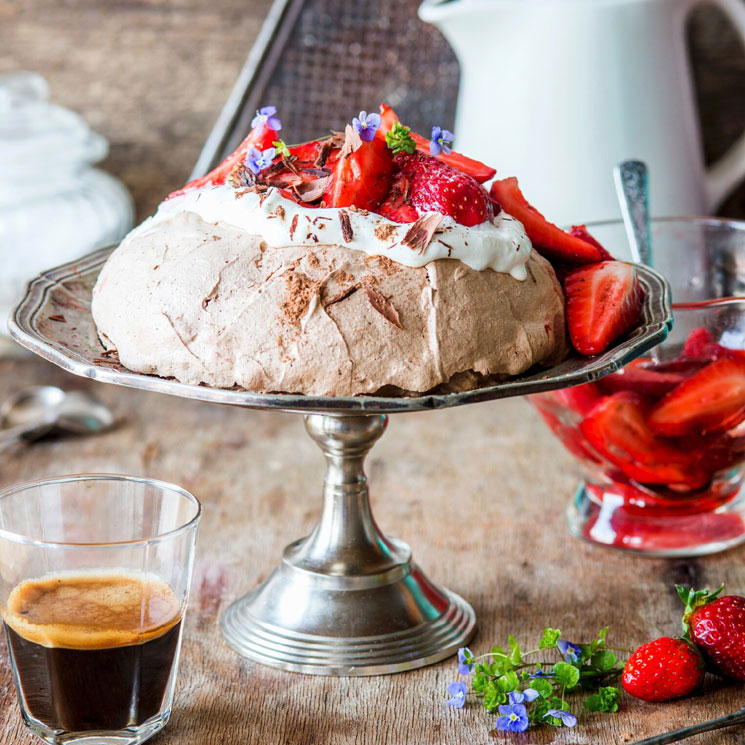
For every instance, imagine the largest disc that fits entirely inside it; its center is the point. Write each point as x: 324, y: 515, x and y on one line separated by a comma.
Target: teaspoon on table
x: 34, y: 412
x: 729, y: 720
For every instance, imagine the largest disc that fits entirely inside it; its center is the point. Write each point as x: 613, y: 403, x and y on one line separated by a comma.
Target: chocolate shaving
x: 58, y: 317
x: 346, y: 226
x: 382, y: 305
x: 280, y: 182
x: 447, y: 245
x: 309, y: 191
x: 293, y: 227
x: 342, y: 295
x: 420, y: 233
x: 352, y: 142
x: 280, y: 211
x: 111, y: 353
x: 317, y: 172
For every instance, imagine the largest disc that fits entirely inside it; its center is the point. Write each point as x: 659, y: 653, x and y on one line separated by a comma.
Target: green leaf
x: 550, y: 638
x: 479, y: 682
x: 539, y: 710
x: 603, y: 661
x: 602, y: 635
x: 544, y: 688
x: 515, y: 655
x: 493, y: 697
x: 606, y: 699
x: 281, y: 148
x: 565, y: 674
x: 508, y: 682
x: 498, y: 652
x: 399, y: 139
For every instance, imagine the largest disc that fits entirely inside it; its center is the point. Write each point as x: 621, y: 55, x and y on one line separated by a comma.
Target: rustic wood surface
x: 479, y: 494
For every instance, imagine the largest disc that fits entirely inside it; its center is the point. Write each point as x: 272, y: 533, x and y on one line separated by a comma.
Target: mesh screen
x: 346, y: 55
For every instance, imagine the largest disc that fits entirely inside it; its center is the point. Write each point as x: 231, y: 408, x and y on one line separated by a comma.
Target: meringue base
x: 210, y: 304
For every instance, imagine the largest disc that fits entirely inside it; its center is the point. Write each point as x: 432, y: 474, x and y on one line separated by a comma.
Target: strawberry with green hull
x: 664, y: 669
x: 717, y: 626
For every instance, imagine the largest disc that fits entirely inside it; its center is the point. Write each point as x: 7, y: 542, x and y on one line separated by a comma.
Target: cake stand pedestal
x: 346, y: 600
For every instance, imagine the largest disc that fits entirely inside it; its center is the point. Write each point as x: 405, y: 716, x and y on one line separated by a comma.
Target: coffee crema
x: 93, y: 651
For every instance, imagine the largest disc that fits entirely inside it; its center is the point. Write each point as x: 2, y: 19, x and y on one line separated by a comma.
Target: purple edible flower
x: 441, y: 141
x: 518, y: 697
x: 267, y: 116
x: 256, y: 160
x: 567, y: 719
x: 464, y: 666
x: 366, y: 125
x: 572, y: 653
x: 512, y: 718
x: 457, y: 692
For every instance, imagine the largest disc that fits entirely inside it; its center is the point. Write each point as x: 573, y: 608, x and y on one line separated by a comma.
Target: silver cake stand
x: 345, y: 600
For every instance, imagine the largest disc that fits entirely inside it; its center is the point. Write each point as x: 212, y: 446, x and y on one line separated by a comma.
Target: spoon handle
x: 11, y: 435
x: 729, y: 720
x: 632, y: 189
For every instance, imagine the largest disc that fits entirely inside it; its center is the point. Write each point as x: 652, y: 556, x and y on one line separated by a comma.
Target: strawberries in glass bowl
x: 662, y: 442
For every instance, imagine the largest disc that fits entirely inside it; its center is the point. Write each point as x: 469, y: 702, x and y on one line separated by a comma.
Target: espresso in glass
x: 94, y: 580
x: 93, y: 651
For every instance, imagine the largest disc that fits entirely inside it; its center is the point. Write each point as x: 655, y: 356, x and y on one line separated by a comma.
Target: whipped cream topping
x: 500, y: 244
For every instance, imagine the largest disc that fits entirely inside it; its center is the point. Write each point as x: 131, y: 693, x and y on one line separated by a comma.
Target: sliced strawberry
x: 397, y: 206
x: 474, y: 168
x: 436, y: 187
x: 261, y: 137
x: 604, y: 301
x: 641, y: 377
x: 616, y: 427
x: 549, y: 240
x: 712, y: 400
x: 700, y: 345
x: 580, y: 398
x: 361, y: 178
x: 580, y: 231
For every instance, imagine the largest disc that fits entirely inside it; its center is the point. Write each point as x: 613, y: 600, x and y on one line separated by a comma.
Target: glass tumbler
x: 94, y: 578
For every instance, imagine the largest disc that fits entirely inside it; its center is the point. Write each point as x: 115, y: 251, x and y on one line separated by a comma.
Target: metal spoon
x: 632, y: 188
x: 34, y: 412
x: 729, y: 720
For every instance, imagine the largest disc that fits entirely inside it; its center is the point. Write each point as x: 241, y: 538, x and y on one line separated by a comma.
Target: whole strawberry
x: 663, y: 669
x: 436, y: 187
x: 717, y: 625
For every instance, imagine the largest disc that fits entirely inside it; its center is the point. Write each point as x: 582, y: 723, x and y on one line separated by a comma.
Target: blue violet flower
x: 366, y: 125
x: 464, y: 666
x: 441, y: 141
x: 541, y: 674
x: 572, y: 653
x: 567, y: 719
x: 512, y: 718
x: 257, y: 160
x: 457, y: 692
x: 518, y: 697
x: 268, y: 116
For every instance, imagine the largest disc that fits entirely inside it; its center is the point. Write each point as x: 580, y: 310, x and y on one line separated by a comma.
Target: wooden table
x: 479, y: 493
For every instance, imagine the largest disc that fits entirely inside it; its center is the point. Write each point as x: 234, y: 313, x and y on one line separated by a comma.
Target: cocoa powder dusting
x: 384, y: 232
x: 300, y: 291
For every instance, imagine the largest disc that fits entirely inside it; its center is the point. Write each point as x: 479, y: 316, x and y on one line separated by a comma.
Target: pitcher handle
x: 727, y: 172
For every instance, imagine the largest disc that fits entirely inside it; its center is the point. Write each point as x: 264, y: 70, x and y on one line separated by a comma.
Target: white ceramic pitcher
x: 557, y: 92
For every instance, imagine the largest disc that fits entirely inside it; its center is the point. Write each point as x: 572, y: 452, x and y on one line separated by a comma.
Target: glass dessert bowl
x: 662, y: 442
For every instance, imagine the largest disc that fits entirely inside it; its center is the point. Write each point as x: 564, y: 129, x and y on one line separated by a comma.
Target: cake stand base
x: 686, y: 528
x: 346, y: 600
